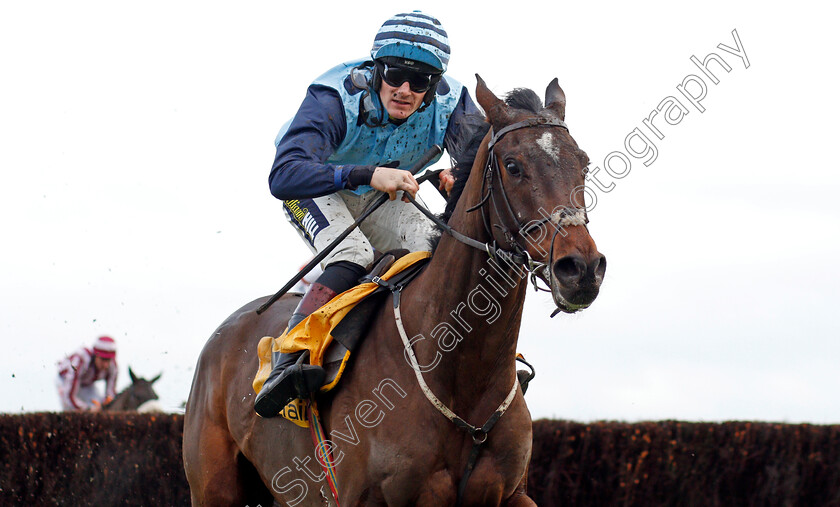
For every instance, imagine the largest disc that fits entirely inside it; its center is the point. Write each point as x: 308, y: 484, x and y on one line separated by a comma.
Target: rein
x: 515, y: 254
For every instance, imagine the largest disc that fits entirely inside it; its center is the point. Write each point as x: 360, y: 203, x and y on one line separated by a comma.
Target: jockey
x: 360, y: 126
x: 78, y: 372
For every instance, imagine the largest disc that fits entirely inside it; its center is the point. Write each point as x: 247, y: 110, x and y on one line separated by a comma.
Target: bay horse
x: 522, y: 203
x: 138, y: 394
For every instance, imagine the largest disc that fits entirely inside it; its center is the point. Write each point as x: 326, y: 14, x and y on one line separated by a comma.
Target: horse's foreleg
x: 520, y: 498
x: 216, y: 471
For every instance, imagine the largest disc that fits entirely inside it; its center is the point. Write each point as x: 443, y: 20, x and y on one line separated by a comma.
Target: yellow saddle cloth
x: 314, y: 333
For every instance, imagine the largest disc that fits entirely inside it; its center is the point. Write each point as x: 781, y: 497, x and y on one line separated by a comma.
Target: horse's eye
x: 512, y: 168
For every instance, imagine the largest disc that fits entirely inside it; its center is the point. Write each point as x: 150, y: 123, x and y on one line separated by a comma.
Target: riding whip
x: 427, y: 157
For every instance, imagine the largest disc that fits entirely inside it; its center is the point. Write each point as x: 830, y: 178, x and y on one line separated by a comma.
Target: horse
x: 139, y: 396
x: 438, y: 419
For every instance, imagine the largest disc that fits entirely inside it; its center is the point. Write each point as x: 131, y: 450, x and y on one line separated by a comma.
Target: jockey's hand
x: 95, y: 406
x: 391, y: 181
x: 447, y: 181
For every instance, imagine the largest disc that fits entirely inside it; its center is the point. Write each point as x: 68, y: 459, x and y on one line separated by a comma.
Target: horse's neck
x: 465, y: 292
x: 119, y: 401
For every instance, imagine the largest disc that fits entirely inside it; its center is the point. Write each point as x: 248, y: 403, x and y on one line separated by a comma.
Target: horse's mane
x: 524, y: 99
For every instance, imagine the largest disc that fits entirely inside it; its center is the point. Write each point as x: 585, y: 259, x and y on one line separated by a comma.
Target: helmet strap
x: 430, y: 94
x: 371, y: 111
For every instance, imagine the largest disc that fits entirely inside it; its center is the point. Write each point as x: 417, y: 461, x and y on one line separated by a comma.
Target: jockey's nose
x: 572, y: 269
x: 404, y: 88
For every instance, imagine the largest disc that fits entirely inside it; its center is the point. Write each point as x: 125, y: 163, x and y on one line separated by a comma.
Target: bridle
x: 515, y: 253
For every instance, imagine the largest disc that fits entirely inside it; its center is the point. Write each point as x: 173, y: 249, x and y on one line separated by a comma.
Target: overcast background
x: 136, y: 141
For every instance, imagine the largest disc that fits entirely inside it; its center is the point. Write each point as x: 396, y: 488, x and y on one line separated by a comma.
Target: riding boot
x: 317, y: 296
x: 291, y: 377
x: 524, y: 376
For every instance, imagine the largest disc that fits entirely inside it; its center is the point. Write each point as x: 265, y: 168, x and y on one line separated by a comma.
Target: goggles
x: 419, y: 82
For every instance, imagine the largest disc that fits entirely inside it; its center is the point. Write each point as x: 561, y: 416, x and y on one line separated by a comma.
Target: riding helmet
x: 105, y: 347
x: 413, y: 36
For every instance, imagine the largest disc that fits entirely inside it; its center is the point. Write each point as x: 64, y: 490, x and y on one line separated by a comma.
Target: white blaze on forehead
x: 546, y: 142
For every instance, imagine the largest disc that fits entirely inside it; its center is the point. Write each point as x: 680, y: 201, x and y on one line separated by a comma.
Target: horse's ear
x: 555, y: 99
x: 497, y: 111
x: 132, y: 375
x: 155, y: 379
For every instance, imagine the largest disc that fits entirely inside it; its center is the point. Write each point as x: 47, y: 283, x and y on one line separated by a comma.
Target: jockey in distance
x: 79, y: 372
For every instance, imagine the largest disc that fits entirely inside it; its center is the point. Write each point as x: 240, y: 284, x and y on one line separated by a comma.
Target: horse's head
x: 534, y: 184
x: 140, y: 391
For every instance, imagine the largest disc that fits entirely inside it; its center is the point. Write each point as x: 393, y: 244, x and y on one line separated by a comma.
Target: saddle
x: 333, y: 332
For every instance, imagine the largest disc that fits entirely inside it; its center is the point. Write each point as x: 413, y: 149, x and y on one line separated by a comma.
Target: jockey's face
x: 102, y: 363
x: 400, y: 102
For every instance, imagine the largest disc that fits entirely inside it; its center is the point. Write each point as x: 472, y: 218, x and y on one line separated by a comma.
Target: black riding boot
x: 525, y: 376
x: 290, y: 376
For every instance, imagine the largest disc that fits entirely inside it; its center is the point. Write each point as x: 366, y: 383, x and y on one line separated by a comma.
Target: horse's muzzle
x: 575, y: 281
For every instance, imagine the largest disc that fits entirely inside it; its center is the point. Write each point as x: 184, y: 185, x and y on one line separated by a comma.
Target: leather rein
x: 514, y: 254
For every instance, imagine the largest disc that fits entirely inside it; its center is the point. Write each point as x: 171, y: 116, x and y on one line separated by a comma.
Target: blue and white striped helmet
x: 414, y: 36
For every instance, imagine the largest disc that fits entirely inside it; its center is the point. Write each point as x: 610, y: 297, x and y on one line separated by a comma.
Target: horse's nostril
x: 600, y: 267
x: 570, y: 270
